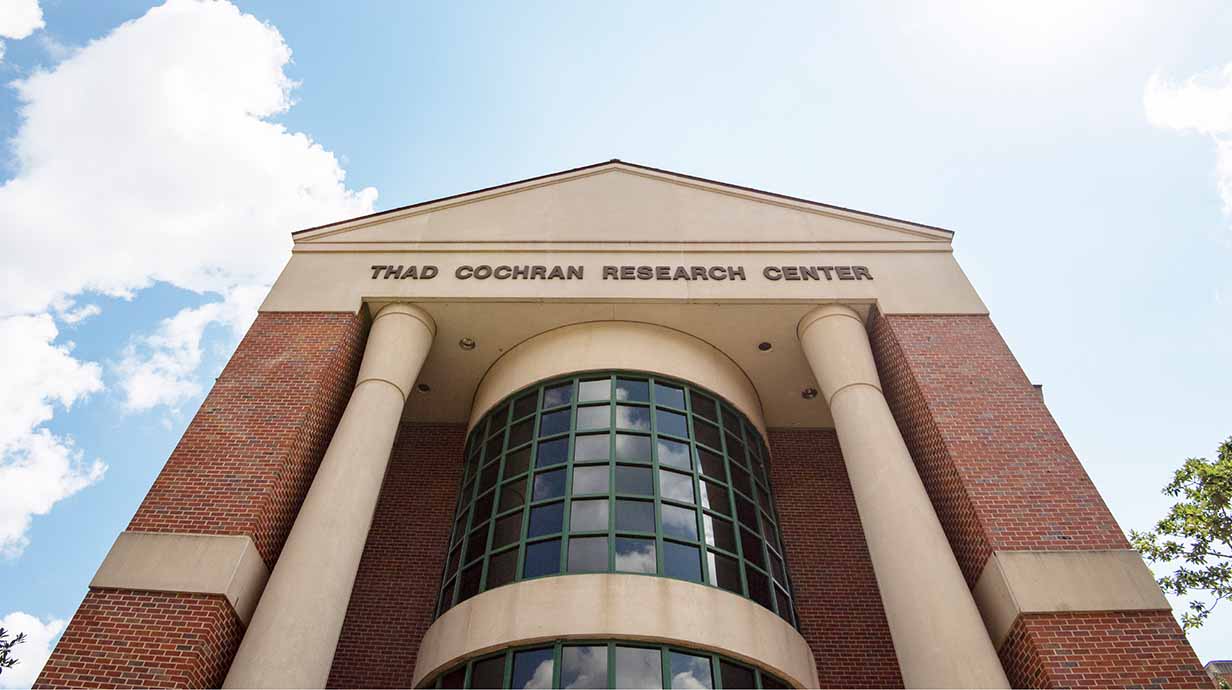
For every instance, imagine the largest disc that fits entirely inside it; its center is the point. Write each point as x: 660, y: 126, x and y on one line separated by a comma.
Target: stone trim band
x: 1014, y: 583
x: 228, y: 565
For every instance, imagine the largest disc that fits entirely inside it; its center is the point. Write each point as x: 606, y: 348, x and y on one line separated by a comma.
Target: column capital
x: 406, y: 309
x: 826, y: 310
x: 389, y: 340
x: 835, y: 341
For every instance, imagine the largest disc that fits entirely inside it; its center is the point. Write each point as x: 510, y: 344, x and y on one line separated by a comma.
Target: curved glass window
x: 617, y: 473
x: 602, y: 664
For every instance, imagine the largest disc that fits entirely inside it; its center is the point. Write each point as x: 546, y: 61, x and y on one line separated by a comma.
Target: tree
x: 1196, y: 534
x: 7, y: 660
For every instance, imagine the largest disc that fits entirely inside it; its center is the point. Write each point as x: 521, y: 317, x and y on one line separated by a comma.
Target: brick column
x: 232, y: 486
x: 1066, y: 601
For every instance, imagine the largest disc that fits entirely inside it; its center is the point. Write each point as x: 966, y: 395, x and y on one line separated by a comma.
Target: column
x: 939, y: 637
x: 291, y: 640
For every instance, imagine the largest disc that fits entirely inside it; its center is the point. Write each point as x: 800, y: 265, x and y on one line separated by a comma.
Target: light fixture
x: 808, y: 393
x: 467, y: 344
x: 424, y: 388
x: 765, y: 346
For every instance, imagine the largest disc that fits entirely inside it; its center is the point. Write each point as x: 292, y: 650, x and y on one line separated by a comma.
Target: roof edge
x: 617, y: 161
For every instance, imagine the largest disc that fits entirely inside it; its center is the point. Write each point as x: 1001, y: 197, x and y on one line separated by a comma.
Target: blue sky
x: 1083, y: 155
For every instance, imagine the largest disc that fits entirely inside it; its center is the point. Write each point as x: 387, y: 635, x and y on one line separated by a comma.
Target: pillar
x: 939, y: 637
x: 291, y: 639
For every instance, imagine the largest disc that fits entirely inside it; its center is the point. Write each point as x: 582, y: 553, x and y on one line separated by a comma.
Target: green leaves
x: 1197, y: 534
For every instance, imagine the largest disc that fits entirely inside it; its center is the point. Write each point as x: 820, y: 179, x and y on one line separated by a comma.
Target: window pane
x: 470, y: 582
x: 635, y: 555
x: 734, y: 675
x: 455, y: 678
x: 594, y: 417
x: 487, y: 478
x: 776, y: 567
x: 635, y: 516
x: 558, y: 395
x: 588, y: 555
x: 594, y: 390
x: 476, y: 543
x: 740, y: 480
x: 508, y: 529
x: 706, y: 433
x: 521, y: 432
x: 583, y: 667
x: 759, y: 587
x: 546, y: 519
x: 554, y: 423
x: 679, y: 522
x: 726, y: 573
x: 768, y: 531
x: 704, y: 406
x: 531, y: 669
x: 750, y: 546
x: 638, y: 668
x: 489, y: 673
x: 630, y: 447
x: 784, y: 604
x: 746, y: 513
x: 719, y: 533
x: 682, y: 561
x: 674, y: 454
x: 676, y: 486
x: 513, y: 494
x: 517, y: 462
x: 588, y: 516
x: 483, y: 509
x: 592, y: 447
x: 671, y: 423
x: 542, y: 558
x: 689, y: 671
x: 715, y: 497
x: 552, y: 452
x: 525, y: 405
x: 634, y: 480
x: 590, y: 480
x: 633, y: 391
x: 712, y: 465
x: 494, y: 448
x: 549, y: 485
x: 502, y: 568
x: 629, y: 417
x: 669, y: 395
x: 769, y: 682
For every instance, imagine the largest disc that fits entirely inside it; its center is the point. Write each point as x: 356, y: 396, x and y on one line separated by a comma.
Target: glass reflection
x: 542, y: 558
x: 669, y: 395
x: 592, y: 447
x: 549, y: 485
x: 676, y: 486
x: 682, y: 561
x: 594, y: 390
x: 552, y: 452
x: 629, y: 417
x: 594, y: 417
x: 590, y: 480
x: 674, y: 454
x: 638, y: 668
x: 635, y: 555
x: 546, y: 519
x: 583, y: 667
x: 588, y: 516
x: 630, y: 447
x: 489, y: 673
x: 588, y: 554
x: 689, y: 671
x: 532, y: 669
x: 632, y: 391
x: 679, y: 522
x: 558, y: 395
x: 634, y: 480
x: 671, y: 423
x: 634, y: 516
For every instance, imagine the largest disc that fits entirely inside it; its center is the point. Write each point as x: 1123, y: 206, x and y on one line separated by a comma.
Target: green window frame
x: 723, y: 672
x: 617, y: 472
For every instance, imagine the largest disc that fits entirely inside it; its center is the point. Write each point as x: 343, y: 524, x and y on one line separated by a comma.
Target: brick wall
x: 1139, y: 649
x: 1002, y: 477
x: 837, y: 600
x: 242, y: 467
x: 125, y: 638
x: 400, y: 573
x: 245, y: 462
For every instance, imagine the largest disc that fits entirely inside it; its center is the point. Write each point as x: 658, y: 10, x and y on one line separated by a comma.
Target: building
x: 1220, y: 671
x: 621, y: 426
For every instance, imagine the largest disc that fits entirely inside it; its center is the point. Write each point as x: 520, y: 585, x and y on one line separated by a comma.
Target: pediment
x: 619, y: 202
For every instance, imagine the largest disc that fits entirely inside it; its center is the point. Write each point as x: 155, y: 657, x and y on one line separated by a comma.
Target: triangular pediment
x: 619, y: 202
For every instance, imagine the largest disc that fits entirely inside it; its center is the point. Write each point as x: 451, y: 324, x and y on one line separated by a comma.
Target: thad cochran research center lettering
x: 618, y: 426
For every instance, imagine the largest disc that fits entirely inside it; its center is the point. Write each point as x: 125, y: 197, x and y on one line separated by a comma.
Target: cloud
x: 37, y: 467
x: 1202, y: 104
x: 18, y: 19
x: 32, y: 653
x: 146, y: 155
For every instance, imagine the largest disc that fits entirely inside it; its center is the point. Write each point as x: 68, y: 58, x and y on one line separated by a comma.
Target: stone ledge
x: 200, y: 563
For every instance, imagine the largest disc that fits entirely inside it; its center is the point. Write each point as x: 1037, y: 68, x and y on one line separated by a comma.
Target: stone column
x: 939, y: 637
x: 291, y: 640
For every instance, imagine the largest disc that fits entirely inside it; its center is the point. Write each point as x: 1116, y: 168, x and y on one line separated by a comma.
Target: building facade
x: 618, y: 426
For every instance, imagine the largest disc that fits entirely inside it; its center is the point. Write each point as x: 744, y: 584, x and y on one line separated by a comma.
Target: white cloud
x: 1203, y: 104
x: 18, y: 19
x: 32, y: 653
x: 37, y: 467
x: 147, y: 155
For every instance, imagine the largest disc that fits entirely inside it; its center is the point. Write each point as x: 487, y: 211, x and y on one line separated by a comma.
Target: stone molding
x: 1022, y: 582
x: 228, y: 565
x: 597, y: 606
